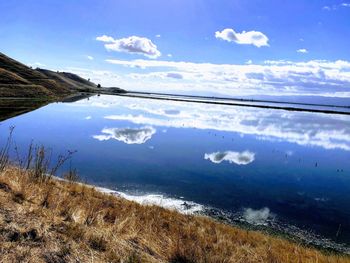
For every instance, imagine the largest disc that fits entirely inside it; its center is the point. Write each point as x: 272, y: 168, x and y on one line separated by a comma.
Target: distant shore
x: 264, y: 104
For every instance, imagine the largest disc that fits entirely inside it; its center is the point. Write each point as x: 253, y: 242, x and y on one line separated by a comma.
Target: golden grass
x: 56, y: 221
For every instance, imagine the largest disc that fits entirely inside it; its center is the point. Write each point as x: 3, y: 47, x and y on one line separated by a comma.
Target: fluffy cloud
x: 256, y: 217
x: 90, y: 57
x: 127, y: 135
x: 132, y: 44
x: 302, y: 50
x: 314, y: 77
x: 240, y: 158
x: 255, y: 38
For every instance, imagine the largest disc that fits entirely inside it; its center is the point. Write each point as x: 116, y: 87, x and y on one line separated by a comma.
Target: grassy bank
x: 57, y: 221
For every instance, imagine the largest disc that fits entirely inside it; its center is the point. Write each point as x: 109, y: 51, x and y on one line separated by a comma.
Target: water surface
x: 278, y: 169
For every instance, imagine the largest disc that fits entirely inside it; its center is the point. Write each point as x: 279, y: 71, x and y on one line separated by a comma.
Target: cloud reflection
x: 256, y: 217
x: 127, y: 135
x: 240, y: 158
x: 303, y: 128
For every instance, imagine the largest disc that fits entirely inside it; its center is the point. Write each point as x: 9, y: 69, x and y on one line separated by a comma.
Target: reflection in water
x: 256, y: 217
x: 328, y: 132
x: 240, y: 158
x: 13, y: 107
x: 127, y: 135
x: 277, y: 169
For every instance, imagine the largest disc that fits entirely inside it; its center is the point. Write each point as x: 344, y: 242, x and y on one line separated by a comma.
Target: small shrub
x: 4, y: 152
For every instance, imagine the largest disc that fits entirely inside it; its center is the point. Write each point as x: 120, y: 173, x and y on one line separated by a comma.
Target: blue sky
x: 63, y: 35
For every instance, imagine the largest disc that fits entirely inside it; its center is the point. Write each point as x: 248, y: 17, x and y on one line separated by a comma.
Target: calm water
x: 271, y: 168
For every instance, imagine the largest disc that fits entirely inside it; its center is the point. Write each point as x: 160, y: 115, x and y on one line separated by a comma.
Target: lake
x: 276, y: 170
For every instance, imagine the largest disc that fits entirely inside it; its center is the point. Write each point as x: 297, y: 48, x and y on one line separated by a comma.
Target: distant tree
x: 99, y: 85
x: 89, y: 80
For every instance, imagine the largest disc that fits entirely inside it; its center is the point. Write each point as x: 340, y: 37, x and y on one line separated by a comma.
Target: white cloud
x: 132, y: 44
x: 90, y: 57
x: 127, y: 135
x: 88, y: 118
x: 310, y: 78
x: 169, y: 55
x: 256, y: 217
x: 158, y: 36
x: 158, y: 75
x: 335, y: 7
x: 302, y: 50
x: 240, y: 158
x: 255, y: 38
x: 105, y: 38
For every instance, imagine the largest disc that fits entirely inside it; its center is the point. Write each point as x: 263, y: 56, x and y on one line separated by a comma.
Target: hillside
x: 58, y: 221
x: 19, y: 80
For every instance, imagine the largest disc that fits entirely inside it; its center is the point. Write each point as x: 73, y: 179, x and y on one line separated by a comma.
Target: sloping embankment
x: 57, y: 221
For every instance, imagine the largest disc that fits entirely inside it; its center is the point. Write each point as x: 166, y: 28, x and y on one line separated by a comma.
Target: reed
x: 4, y: 152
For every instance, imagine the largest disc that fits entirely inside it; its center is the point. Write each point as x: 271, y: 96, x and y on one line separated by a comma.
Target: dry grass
x: 56, y: 221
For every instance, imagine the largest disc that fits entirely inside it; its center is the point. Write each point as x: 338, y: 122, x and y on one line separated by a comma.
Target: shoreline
x: 226, y: 217
x: 85, y: 219
x: 277, y: 229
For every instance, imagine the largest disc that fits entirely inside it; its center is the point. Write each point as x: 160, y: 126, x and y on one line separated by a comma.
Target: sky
x: 232, y: 48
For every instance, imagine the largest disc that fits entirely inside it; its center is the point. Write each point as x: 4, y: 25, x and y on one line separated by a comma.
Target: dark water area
x: 12, y: 107
x: 271, y: 168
